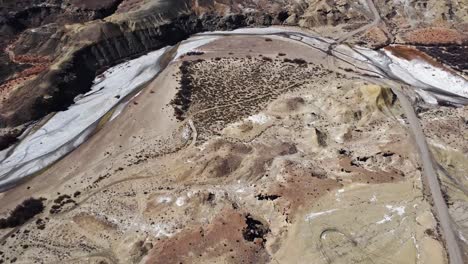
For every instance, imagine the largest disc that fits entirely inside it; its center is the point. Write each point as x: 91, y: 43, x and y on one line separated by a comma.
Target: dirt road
x: 376, y: 20
x: 453, y: 248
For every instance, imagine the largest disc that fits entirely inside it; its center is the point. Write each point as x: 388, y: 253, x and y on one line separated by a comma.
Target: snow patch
x: 164, y: 199
x: 416, y: 245
x: 338, y: 195
x: 460, y: 235
x: 180, y: 201
x: 400, y: 210
x: 259, y: 119
x: 386, y: 218
x: 311, y: 216
x: 187, y: 132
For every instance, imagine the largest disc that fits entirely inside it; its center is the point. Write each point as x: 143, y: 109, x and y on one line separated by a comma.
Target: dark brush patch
x: 254, y: 230
x: 451, y: 55
x: 363, y: 159
x: 300, y: 62
x: 60, y: 202
x: 183, y: 97
x: 344, y: 152
x: 447, y: 198
x: 40, y: 224
x: 101, y: 178
x: 282, y: 16
x: 270, y: 197
x: 195, y: 53
x: 23, y: 212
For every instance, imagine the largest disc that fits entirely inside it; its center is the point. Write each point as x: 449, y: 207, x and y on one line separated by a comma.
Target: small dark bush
x: 296, y: 61
x: 195, y: 53
x: 282, y: 16
x: 299, y: 61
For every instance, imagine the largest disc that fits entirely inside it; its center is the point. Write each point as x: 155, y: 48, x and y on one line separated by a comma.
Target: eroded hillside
x: 336, y: 136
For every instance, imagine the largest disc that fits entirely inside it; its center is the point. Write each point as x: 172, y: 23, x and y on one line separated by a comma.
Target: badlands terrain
x: 275, y: 131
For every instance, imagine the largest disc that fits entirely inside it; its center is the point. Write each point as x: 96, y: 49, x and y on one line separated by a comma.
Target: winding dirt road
x: 376, y: 20
x: 441, y: 209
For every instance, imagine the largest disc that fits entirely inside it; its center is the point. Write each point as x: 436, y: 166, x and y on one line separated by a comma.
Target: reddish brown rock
x: 376, y: 38
x: 222, y: 238
x: 435, y: 35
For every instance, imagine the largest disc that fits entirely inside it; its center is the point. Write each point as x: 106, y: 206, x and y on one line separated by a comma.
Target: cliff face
x: 54, y: 49
x: 17, y: 17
